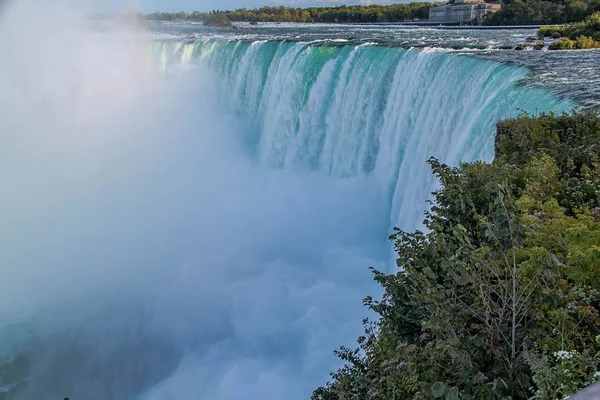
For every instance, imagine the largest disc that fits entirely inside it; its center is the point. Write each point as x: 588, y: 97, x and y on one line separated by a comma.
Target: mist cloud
x: 142, y: 251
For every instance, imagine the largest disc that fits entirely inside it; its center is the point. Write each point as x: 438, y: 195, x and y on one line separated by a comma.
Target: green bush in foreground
x: 501, y: 297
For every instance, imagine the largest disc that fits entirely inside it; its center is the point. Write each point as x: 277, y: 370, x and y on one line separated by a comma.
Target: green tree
x: 500, y: 298
x: 576, y: 10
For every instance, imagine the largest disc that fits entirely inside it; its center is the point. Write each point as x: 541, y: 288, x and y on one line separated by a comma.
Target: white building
x: 463, y: 11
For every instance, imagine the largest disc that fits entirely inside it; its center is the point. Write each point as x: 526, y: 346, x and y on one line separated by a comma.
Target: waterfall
x: 365, y: 110
x: 204, y: 231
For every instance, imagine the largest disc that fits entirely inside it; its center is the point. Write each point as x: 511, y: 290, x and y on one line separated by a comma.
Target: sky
x: 205, y: 5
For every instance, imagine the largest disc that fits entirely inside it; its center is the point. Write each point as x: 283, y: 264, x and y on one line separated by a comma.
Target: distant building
x: 463, y: 11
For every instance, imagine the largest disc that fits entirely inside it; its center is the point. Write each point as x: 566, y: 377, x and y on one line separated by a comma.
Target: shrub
x: 551, y: 31
x: 586, y: 42
x: 589, y: 27
x: 500, y: 298
x: 562, y: 44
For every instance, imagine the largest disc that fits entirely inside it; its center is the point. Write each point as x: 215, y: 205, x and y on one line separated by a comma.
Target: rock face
x: 219, y: 20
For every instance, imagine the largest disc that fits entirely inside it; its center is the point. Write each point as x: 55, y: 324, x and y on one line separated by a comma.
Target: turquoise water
x: 364, y: 110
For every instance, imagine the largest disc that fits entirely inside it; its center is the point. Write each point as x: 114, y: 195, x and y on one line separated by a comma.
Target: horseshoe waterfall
x: 195, y: 219
x: 364, y: 111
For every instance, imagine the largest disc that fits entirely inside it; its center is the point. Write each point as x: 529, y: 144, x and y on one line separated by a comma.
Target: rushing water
x: 194, y: 215
x: 363, y: 110
x: 572, y: 74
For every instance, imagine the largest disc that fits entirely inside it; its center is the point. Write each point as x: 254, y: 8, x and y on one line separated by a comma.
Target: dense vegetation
x: 538, y: 12
x: 350, y: 14
x: 581, y: 35
x: 500, y: 298
x: 514, y: 12
x: 217, y: 19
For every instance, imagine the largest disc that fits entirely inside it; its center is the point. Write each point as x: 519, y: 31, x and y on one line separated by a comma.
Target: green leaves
x: 462, y: 280
x: 506, y: 274
x: 452, y: 394
x: 429, y: 273
x: 438, y: 390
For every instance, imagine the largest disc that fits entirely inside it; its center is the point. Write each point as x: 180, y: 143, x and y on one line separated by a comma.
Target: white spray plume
x: 142, y: 254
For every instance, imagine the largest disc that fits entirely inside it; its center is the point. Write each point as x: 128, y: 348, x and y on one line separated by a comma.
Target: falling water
x: 203, y: 230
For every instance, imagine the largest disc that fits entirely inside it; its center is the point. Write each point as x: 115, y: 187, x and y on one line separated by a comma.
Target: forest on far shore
x: 340, y: 14
x: 514, y: 12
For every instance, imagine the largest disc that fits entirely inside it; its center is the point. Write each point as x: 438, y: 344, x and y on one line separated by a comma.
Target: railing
x: 591, y: 393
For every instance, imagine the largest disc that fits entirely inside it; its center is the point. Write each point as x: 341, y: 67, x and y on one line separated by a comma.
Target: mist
x: 143, y: 252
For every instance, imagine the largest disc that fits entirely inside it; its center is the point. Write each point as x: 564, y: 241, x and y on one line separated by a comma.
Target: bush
x: 586, y: 42
x: 500, y: 298
x: 562, y: 44
x: 551, y: 31
x: 589, y: 27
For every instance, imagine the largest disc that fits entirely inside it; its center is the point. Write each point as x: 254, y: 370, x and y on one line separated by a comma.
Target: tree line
x: 539, y: 12
x: 513, y: 12
x: 340, y: 14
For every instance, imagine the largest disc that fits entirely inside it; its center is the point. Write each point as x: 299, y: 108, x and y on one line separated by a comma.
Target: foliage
x: 562, y: 44
x: 500, y: 298
x: 586, y: 42
x: 581, y: 43
x: 571, y: 140
x: 349, y: 14
x: 217, y: 20
x: 514, y: 12
x: 164, y: 16
x: 540, y: 12
x: 564, y: 373
x: 581, y: 35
